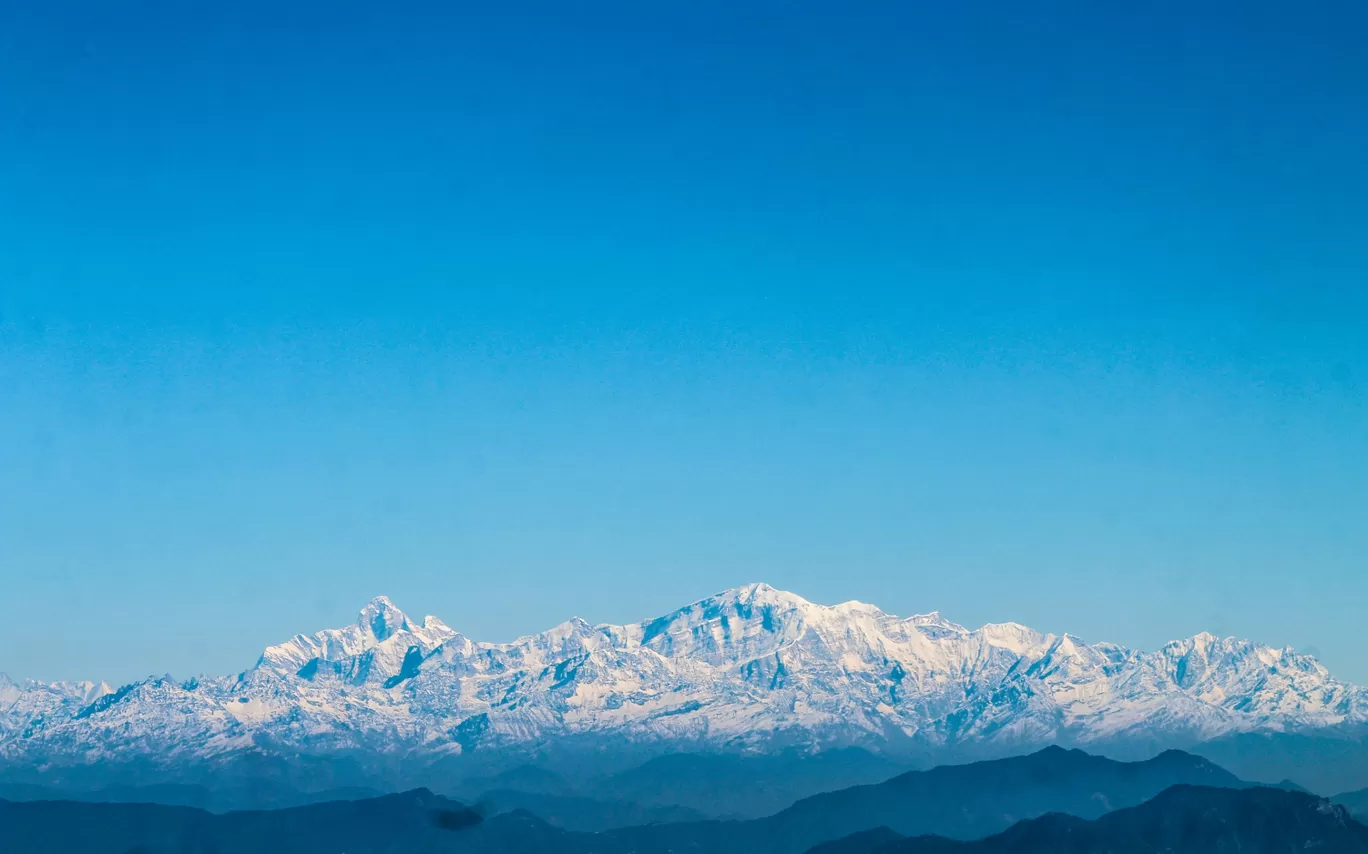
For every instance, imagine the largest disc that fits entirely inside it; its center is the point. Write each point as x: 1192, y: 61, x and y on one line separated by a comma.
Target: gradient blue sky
x: 1047, y: 312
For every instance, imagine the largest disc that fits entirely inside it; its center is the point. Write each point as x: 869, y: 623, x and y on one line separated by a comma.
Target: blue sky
x: 1049, y: 312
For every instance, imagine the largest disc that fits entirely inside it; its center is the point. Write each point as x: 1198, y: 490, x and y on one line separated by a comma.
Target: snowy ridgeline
x: 749, y: 667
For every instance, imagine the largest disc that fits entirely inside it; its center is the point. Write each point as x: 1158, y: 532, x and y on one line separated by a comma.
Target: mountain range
x: 1053, y: 800
x: 1180, y: 820
x: 750, y: 671
x: 953, y: 801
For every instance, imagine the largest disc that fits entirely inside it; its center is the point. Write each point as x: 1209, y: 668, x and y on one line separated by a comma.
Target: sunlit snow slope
x: 750, y: 668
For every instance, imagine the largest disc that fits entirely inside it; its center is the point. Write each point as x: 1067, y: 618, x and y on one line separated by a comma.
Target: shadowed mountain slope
x: 958, y: 801
x: 1180, y: 820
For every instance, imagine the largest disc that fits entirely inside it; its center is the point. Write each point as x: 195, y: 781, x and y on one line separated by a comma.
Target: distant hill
x: 1181, y: 820
x: 674, y: 788
x: 956, y: 801
x: 417, y: 820
x: 1355, y: 802
x: 720, y: 785
x: 1324, y: 760
x: 529, y: 778
x: 224, y: 798
x: 587, y: 815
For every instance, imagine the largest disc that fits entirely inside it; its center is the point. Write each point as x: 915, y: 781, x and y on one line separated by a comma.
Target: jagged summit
x: 752, y: 667
x: 760, y: 591
x: 375, y: 647
x: 754, y: 595
x: 382, y: 618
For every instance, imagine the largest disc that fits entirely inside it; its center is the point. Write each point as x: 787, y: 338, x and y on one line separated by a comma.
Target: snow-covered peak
x: 433, y: 624
x: 930, y: 618
x: 933, y: 624
x: 725, y: 628
x: 1014, y: 637
x: 382, y: 633
x: 857, y: 605
x: 760, y: 594
x: 382, y: 619
x: 749, y: 666
x: 88, y: 692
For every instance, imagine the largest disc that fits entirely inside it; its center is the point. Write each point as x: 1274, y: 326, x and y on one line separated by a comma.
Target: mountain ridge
x: 967, y: 801
x: 1054, y: 800
x: 1182, y: 819
x: 748, y: 669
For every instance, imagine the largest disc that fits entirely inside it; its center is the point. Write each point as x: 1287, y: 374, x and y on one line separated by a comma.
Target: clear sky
x: 1047, y: 312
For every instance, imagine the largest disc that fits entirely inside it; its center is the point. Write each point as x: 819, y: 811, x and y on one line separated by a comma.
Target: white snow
x: 735, y: 668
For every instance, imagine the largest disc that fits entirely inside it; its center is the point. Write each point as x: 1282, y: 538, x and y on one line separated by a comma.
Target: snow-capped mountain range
x: 747, y: 669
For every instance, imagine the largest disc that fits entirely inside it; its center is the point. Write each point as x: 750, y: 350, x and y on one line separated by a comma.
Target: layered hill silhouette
x: 1180, y: 820
x: 1037, y: 799
x: 730, y: 786
x: 1329, y: 759
x: 226, y: 797
x: 580, y: 813
x: 956, y: 801
x: 418, y: 820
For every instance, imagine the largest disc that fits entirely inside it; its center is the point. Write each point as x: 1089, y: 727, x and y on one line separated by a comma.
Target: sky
x: 1051, y: 312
